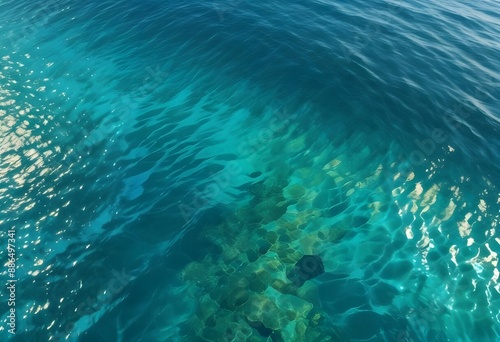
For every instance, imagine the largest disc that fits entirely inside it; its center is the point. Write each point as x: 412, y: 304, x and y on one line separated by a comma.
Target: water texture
x: 166, y: 165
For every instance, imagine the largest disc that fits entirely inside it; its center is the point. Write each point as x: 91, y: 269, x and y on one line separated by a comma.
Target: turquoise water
x: 165, y: 165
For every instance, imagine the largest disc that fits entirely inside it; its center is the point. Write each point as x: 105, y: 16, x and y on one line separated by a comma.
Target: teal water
x: 166, y: 164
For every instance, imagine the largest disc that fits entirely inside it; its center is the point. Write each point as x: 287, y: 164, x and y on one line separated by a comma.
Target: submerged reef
x: 258, y: 288
x: 265, y: 284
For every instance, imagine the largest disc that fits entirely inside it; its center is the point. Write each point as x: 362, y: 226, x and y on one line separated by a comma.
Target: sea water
x: 165, y: 164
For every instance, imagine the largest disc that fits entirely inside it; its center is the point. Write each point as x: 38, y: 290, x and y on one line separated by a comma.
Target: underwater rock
x: 294, y: 191
x: 261, y: 232
x: 296, y: 145
x: 300, y: 331
x: 358, y: 221
x: 206, y: 308
x: 274, y: 265
x: 267, y: 210
x: 234, y: 299
x: 260, y: 308
x: 283, y: 254
x: 331, y: 234
x: 309, y: 243
x: 218, y: 293
x: 248, y: 215
x: 212, y: 334
x: 307, y: 268
x: 303, y: 172
x: 302, y: 205
x: 263, y: 275
x: 257, y: 285
x: 317, y: 179
x: 287, y: 224
x: 195, y: 272
x: 335, y: 210
x: 252, y: 255
x: 264, y: 247
x: 308, y: 292
x: 255, y: 174
x: 278, y: 284
x: 292, y: 306
x: 266, y: 332
x: 257, y: 188
x: 271, y: 237
x: 287, y: 255
x: 332, y: 164
x: 285, y: 238
x: 211, y: 321
x: 230, y: 253
x: 261, y: 329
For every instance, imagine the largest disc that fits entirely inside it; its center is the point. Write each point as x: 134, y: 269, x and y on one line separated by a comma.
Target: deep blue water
x: 165, y: 165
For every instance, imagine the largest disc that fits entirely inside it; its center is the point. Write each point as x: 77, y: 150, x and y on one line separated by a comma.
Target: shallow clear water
x: 165, y: 164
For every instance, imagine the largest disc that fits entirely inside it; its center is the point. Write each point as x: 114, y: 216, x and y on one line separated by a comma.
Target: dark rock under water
x: 307, y: 268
